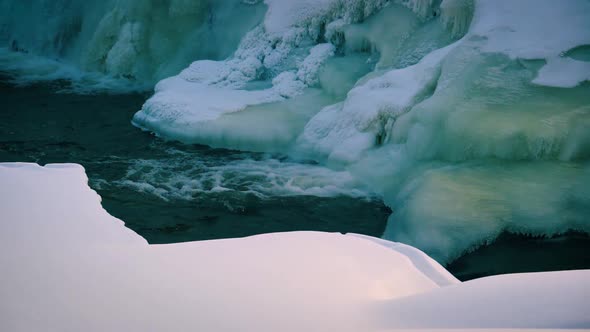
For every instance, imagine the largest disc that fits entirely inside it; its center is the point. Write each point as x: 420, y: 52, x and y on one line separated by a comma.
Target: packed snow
x: 69, y: 266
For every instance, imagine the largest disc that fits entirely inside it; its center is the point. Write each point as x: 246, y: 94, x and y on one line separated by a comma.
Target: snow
x: 283, y: 45
x: 69, y: 266
x: 563, y: 73
x: 531, y: 29
x: 181, y: 101
x: 537, y: 29
x: 284, y: 14
x: 462, y: 132
x: 547, y: 300
x: 30, y: 193
x: 310, y: 67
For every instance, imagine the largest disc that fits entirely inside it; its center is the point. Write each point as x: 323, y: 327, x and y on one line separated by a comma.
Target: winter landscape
x: 294, y: 165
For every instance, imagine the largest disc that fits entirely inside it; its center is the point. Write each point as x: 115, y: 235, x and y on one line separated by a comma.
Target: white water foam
x: 185, y: 176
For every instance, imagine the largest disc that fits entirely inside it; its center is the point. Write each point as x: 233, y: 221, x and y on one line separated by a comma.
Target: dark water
x: 143, y: 181
x: 39, y: 125
x: 512, y: 253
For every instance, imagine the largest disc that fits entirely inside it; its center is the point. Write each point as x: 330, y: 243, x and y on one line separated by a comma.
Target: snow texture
x: 69, y: 266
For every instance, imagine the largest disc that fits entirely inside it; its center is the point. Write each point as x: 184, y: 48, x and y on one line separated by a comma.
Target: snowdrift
x: 69, y: 266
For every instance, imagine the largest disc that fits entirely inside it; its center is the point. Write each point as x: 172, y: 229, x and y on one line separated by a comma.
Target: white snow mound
x: 70, y: 266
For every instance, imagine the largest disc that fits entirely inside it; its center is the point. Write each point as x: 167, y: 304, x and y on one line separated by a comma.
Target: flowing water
x: 171, y: 192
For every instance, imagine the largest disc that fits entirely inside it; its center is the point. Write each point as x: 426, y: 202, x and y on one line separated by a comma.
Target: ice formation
x: 69, y: 266
x: 458, y: 128
x: 134, y: 41
x: 469, y: 117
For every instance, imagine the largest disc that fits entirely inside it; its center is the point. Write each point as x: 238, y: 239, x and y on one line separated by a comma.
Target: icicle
x: 457, y: 15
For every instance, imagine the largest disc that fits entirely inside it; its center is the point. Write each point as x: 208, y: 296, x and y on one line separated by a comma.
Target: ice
x: 424, y: 135
x: 195, y: 105
x: 308, y: 71
x: 340, y: 74
x: 421, y: 128
x: 25, y: 69
x: 471, y: 204
x: 141, y: 41
x: 343, y: 131
x: 384, y: 33
x: 457, y: 15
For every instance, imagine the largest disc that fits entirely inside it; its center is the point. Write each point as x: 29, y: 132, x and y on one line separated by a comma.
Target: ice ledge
x: 68, y: 265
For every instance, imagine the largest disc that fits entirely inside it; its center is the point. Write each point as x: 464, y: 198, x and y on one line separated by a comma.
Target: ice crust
x: 68, y: 265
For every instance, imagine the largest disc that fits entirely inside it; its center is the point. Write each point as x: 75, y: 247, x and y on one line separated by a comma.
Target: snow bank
x: 44, y: 205
x: 69, y: 266
x: 549, y: 300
